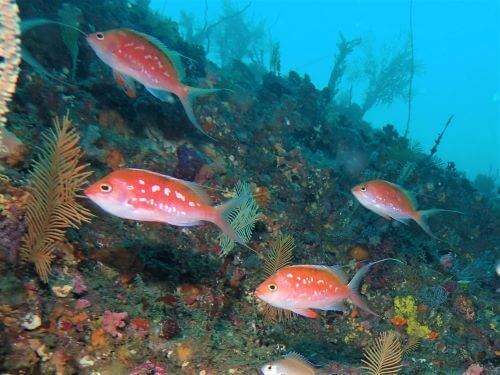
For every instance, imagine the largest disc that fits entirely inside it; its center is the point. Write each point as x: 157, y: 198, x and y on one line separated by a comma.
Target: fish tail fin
x: 422, y: 216
x: 355, y: 297
x: 221, y: 219
x: 187, y: 102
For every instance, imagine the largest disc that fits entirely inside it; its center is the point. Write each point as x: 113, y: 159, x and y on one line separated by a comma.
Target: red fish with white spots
x: 138, y: 194
x: 134, y: 56
x: 305, y: 288
x: 393, y: 202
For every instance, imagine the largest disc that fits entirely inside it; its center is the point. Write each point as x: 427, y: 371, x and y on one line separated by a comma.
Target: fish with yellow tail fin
x: 305, y: 288
x: 134, y: 56
x: 290, y: 364
x: 393, y: 202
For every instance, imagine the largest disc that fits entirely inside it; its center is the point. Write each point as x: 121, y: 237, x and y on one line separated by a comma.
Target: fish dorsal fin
x: 298, y: 357
x: 408, y: 194
x: 200, y: 192
x: 197, y: 189
x: 337, y: 271
x: 174, y: 57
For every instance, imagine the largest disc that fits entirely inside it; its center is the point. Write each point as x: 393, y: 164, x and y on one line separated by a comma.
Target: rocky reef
x: 147, y: 298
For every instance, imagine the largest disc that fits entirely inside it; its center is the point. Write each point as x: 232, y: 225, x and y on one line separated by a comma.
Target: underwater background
x: 167, y: 166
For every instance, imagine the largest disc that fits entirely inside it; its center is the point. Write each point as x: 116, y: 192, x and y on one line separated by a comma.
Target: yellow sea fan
x: 280, y: 255
x: 384, y: 356
x: 56, y: 180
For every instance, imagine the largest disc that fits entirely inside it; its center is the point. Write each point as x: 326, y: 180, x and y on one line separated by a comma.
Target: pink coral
x: 82, y: 303
x: 149, y: 368
x: 112, y: 320
x: 474, y: 369
x: 79, y: 286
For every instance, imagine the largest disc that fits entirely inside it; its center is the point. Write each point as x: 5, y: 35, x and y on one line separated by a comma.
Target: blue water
x: 456, y: 44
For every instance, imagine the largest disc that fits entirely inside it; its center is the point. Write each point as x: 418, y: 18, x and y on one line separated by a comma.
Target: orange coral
x: 111, y: 119
x: 433, y: 336
x: 359, y: 253
x: 399, y: 321
x: 114, y: 159
x: 184, y: 352
x: 98, y: 338
x: 262, y: 196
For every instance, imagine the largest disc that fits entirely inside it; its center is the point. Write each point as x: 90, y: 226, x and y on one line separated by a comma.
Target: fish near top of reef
x: 135, y: 56
x: 303, y: 288
x: 391, y: 201
x: 290, y: 364
x: 142, y: 195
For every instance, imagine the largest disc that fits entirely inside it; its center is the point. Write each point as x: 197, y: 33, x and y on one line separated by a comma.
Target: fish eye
x: 99, y: 36
x: 105, y: 188
x: 269, y: 367
x: 362, y: 188
x: 272, y: 287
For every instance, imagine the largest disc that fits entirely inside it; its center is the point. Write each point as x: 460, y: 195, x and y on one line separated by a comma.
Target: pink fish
x: 304, y: 288
x: 134, y: 56
x: 393, y: 202
x: 138, y: 194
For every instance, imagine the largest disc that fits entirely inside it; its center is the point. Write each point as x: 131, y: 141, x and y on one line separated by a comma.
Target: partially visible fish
x: 290, y: 364
x: 138, y: 194
x: 393, y: 202
x: 303, y: 288
x: 143, y: 58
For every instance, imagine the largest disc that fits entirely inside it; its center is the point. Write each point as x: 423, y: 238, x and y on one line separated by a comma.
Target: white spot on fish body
x: 173, y: 209
x: 304, y: 281
x: 130, y: 44
x: 166, y: 191
x: 298, y: 278
x: 161, y: 206
x: 336, y: 289
x: 148, y: 57
x: 297, y: 285
x: 142, y: 199
x: 183, y: 213
x: 151, y: 201
x: 134, y: 199
x: 155, y: 188
x: 289, y: 275
x: 141, y: 47
x: 191, y: 204
x: 180, y: 196
x: 143, y: 191
x: 321, y: 281
x: 141, y: 182
x: 130, y: 187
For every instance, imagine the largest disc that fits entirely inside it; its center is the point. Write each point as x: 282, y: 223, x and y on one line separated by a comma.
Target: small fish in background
x: 393, y: 202
x: 290, y: 364
x: 302, y: 288
x: 142, y: 195
x: 134, y: 56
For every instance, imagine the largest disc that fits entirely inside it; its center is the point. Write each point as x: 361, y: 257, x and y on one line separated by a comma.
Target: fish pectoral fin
x: 163, y: 95
x: 336, y: 306
x: 306, y: 312
x: 126, y: 82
